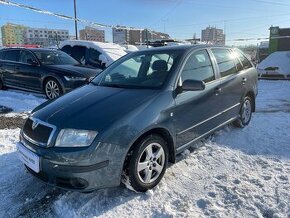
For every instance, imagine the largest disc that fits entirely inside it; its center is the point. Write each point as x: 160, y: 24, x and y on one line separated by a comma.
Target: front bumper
x: 80, y: 170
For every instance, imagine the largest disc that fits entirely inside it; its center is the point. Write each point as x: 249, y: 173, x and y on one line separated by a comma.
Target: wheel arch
x: 44, y: 80
x: 162, y: 132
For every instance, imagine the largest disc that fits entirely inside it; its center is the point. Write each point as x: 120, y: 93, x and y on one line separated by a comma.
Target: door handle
x: 218, y: 90
x: 17, y: 68
x: 244, y: 80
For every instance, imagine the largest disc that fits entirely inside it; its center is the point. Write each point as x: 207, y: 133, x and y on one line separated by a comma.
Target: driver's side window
x: 198, y: 67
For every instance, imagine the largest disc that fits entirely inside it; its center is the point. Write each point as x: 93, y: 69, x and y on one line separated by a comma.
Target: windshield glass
x: 55, y: 58
x: 147, y: 70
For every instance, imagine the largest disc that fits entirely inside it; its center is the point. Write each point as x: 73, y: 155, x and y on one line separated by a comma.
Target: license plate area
x: 29, y: 158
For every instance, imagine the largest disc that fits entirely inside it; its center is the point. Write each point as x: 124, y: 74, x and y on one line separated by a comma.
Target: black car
x: 42, y: 70
x: 137, y: 115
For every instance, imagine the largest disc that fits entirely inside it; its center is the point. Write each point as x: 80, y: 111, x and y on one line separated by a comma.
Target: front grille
x: 40, y: 134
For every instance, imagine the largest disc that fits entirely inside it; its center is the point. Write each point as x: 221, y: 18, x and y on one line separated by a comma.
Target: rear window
x: 11, y: 55
x: 225, y: 61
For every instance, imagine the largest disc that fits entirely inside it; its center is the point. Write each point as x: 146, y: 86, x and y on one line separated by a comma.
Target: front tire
x: 245, y: 113
x: 148, y: 163
x: 52, y: 88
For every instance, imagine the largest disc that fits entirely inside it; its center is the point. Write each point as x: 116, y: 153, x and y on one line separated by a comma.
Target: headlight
x: 75, y: 138
x: 74, y: 78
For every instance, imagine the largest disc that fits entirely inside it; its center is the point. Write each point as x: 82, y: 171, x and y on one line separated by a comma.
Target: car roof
x: 29, y: 49
x: 182, y: 47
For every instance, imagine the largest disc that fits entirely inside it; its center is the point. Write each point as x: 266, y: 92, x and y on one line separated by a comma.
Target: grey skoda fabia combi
x: 137, y: 115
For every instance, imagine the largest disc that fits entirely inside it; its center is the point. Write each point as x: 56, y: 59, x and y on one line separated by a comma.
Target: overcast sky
x: 179, y: 18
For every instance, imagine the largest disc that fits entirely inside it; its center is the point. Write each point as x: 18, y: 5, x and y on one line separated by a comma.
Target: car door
x: 195, y: 111
x: 28, y: 71
x: 232, y: 79
x: 8, y: 67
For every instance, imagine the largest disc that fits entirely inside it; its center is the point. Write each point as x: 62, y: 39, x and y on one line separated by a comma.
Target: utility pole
x: 76, y: 23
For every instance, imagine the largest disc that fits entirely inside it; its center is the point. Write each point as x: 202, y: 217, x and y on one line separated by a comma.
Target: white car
x: 95, y: 54
x: 275, y: 66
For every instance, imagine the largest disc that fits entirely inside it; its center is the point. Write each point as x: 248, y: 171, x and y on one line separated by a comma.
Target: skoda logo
x: 34, y: 124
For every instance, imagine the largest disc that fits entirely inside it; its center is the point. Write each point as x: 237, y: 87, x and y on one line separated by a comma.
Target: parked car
x: 137, y: 115
x: 94, y: 54
x: 275, y: 66
x: 42, y: 70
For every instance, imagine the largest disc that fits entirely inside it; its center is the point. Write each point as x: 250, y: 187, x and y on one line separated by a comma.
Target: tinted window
x: 225, y: 61
x: 11, y: 55
x: 198, y: 67
x: 246, y: 63
x: 94, y: 55
x: 79, y: 53
x: 26, y: 57
x: 54, y: 58
x: 67, y: 49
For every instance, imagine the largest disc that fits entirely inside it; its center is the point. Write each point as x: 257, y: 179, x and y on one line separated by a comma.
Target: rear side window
x: 1, y: 55
x: 79, y: 53
x: 26, y: 57
x: 245, y: 62
x: 225, y: 61
x: 67, y: 49
x: 198, y: 67
x: 11, y: 55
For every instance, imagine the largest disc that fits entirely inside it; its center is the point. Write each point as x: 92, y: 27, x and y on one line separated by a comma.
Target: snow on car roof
x: 279, y: 60
x: 110, y: 52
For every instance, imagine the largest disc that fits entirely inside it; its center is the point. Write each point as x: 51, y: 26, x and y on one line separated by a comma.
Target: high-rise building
x: 136, y: 36
x: 45, y: 37
x: 213, y: 35
x: 153, y: 36
x: 120, y: 35
x: 92, y: 34
x: 13, y: 34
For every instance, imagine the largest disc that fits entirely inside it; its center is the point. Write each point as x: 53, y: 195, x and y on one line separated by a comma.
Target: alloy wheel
x: 151, y: 163
x: 246, y: 111
x: 52, y: 89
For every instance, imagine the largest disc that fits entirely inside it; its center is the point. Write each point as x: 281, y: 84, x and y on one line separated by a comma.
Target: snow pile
x: 20, y: 101
x: 278, y: 61
x: 130, y: 48
x: 236, y: 173
x: 110, y: 52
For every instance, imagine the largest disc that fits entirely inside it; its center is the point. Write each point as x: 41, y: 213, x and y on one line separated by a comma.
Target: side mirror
x: 32, y: 62
x: 193, y: 85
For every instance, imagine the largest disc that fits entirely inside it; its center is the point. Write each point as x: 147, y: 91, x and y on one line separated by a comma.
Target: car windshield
x: 139, y: 70
x: 55, y: 58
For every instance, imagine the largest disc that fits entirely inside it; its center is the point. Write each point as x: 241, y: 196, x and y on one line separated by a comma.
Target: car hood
x: 92, y: 107
x: 76, y: 69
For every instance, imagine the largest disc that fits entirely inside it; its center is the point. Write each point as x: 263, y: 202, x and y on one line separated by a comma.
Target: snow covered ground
x: 234, y: 173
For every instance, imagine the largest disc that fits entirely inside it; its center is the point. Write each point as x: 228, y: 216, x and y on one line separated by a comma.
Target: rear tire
x: 52, y: 88
x: 245, y: 113
x: 148, y: 163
